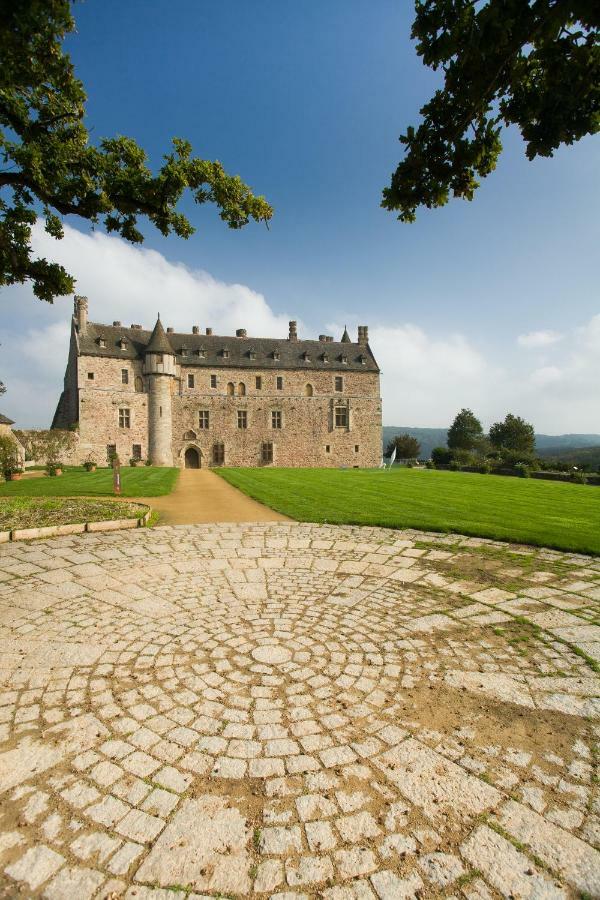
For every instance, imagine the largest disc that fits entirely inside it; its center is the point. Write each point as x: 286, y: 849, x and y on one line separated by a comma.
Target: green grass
x: 38, y: 512
x: 543, y: 513
x: 144, y: 481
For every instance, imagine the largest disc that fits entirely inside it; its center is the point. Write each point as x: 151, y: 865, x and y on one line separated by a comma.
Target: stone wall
x: 306, y: 401
x: 100, y: 400
x: 308, y: 427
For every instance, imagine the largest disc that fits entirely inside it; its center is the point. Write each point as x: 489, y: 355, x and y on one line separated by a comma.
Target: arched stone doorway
x: 191, y: 458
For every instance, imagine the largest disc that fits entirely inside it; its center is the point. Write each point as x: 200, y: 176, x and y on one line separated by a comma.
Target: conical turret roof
x: 346, y: 337
x: 159, y: 342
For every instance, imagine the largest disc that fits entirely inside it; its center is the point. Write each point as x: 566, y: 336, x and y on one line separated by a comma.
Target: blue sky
x: 306, y: 102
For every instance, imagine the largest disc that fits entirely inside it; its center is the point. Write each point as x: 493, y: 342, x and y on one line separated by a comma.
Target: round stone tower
x: 159, y: 366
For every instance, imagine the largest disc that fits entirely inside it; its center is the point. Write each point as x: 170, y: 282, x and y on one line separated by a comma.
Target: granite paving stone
x: 285, y: 710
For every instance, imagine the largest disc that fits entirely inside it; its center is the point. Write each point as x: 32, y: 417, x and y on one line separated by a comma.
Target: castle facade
x: 200, y: 399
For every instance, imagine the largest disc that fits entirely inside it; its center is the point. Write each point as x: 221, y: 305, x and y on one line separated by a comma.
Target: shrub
x: 10, y: 462
x: 522, y: 469
x: 441, y: 456
x: 464, y: 457
x: 484, y: 468
x: 510, y: 459
x: 89, y: 463
x: 454, y: 465
x: 430, y: 464
x: 53, y: 468
x: 578, y: 477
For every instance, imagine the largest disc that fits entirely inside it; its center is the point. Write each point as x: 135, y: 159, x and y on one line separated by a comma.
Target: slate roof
x: 4, y: 420
x: 226, y: 352
x: 159, y: 342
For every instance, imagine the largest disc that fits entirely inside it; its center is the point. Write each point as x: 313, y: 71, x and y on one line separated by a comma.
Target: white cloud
x: 536, y: 339
x: 122, y: 282
x: 426, y: 377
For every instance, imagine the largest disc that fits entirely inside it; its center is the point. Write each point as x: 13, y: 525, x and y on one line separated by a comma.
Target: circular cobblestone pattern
x: 297, y: 711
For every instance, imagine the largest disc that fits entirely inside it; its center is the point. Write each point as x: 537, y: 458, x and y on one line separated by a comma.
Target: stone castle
x: 200, y: 399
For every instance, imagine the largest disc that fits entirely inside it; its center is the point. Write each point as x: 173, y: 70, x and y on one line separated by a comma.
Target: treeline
x: 509, y: 445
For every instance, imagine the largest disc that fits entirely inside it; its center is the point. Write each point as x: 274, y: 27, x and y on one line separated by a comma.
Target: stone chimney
x: 116, y: 323
x: 293, y: 335
x: 81, y: 312
x: 363, y: 335
x: 209, y: 331
x: 195, y: 329
x: 241, y: 332
x: 170, y: 330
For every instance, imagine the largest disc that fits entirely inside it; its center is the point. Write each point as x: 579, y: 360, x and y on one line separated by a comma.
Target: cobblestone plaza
x: 297, y: 711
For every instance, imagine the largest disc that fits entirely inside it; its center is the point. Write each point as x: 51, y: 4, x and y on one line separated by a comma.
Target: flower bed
x: 23, y: 513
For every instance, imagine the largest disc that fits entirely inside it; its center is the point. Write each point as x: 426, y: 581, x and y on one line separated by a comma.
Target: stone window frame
x: 123, y: 344
x: 327, y: 448
x: 276, y: 419
x: 213, y: 381
x: 338, y: 384
x: 341, y: 416
x: 136, y: 451
x: 266, y: 453
x: 258, y: 383
x: 218, y: 453
x: 90, y: 376
x: 111, y: 452
x: 124, y: 376
x: 279, y: 382
x: 204, y: 419
x: 309, y: 390
x: 357, y: 448
x: 191, y: 381
x: 102, y: 343
x: 124, y: 417
x: 242, y: 419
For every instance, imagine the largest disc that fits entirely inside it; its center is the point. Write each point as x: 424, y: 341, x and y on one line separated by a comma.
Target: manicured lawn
x: 143, y: 481
x: 38, y: 512
x: 544, y: 513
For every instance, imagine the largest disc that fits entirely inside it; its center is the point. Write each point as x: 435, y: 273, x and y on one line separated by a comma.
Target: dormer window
x: 225, y: 353
x: 324, y: 357
x: 362, y: 359
x: 306, y: 356
x: 276, y: 354
x: 201, y: 352
x: 122, y: 344
x: 344, y: 359
x: 252, y: 353
x: 102, y: 343
x: 184, y: 351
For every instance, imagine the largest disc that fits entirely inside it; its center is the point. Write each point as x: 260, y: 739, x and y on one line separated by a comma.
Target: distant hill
x: 555, y: 445
x: 584, y: 457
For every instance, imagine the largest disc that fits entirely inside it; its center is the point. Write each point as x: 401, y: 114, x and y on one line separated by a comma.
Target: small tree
x: 466, y: 432
x: 407, y: 447
x: 513, y: 434
x: 9, y: 455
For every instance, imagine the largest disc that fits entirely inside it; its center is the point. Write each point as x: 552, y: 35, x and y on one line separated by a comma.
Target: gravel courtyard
x: 297, y: 711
